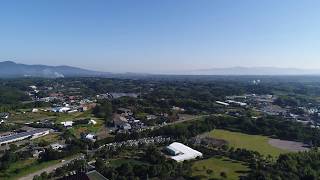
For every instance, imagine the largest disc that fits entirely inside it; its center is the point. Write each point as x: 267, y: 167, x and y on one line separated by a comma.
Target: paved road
x: 48, y: 169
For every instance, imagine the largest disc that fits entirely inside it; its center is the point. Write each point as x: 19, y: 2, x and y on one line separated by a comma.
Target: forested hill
x: 10, y: 69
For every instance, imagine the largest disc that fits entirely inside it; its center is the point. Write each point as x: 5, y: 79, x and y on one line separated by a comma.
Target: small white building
x: 91, y: 137
x: 56, y: 146
x: 222, y: 103
x: 67, y: 123
x: 181, y: 152
x: 33, y: 87
x: 61, y: 109
x: 126, y: 126
x: 237, y: 103
x: 178, y: 109
x: 73, y: 111
x: 92, y: 122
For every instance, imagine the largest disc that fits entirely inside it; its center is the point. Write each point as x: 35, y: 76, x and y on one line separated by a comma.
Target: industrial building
x: 23, y: 135
x: 181, y: 152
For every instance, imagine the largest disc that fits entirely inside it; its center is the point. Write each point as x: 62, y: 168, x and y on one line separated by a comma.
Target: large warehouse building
x: 23, y: 135
x: 181, y: 152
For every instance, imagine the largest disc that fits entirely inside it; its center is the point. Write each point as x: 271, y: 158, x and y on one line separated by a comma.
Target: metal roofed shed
x: 222, y: 103
x: 23, y: 135
x: 182, y: 152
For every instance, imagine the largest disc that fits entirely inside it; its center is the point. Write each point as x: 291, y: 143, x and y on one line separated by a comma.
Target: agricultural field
x: 60, y: 117
x: 251, y: 142
x: 29, y: 117
x: 213, y: 167
x: 50, y: 138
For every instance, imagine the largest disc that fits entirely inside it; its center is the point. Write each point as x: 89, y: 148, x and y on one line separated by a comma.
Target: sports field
x: 213, y: 167
x: 251, y: 142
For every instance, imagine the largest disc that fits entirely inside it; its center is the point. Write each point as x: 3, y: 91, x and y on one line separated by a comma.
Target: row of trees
x: 154, y: 164
x: 295, y: 166
x: 75, y: 166
x: 269, y: 126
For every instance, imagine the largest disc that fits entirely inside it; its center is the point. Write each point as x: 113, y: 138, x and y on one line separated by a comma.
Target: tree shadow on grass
x: 242, y: 171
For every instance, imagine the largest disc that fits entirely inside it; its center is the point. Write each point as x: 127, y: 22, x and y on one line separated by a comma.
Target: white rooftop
x: 67, y: 123
x: 185, y: 152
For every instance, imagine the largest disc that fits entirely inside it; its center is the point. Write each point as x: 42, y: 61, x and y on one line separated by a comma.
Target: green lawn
x: 87, y: 128
x: 211, y: 168
x: 246, y: 141
x: 60, y: 117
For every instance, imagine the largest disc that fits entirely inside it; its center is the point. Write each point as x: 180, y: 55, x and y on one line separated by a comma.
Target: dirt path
x: 48, y: 169
x: 291, y: 146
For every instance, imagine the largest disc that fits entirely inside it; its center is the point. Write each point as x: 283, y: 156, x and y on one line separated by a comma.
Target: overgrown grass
x: 27, y: 117
x: 51, y: 138
x: 87, y: 128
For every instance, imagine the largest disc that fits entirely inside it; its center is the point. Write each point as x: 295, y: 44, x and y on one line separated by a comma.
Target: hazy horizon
x: 161, y: 36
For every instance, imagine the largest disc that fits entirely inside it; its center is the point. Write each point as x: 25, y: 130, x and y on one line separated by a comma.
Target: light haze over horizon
x: 161, y: 36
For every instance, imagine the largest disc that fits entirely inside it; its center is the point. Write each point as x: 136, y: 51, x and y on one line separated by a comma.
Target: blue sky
x: 160, y: 36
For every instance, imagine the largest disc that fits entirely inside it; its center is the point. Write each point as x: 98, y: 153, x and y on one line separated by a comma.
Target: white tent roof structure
x: 184, y: 152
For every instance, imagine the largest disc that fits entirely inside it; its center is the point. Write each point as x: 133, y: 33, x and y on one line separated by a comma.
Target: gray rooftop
x: 22, y: 134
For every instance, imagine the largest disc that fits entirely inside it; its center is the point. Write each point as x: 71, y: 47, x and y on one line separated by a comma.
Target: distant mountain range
x: 11, y: 69
x: 254, y: 71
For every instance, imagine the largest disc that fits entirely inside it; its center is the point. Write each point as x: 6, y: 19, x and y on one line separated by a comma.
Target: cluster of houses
x: 262, y: 103
x: 124, y: 120
x: 115, y: 95
x: 266, y: 105
x: 62, y: 103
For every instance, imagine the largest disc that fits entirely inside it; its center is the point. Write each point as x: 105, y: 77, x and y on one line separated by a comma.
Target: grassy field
x: 27, y: 117
x: 50, y: 138
x: 22, y: 168
x: 211, y: 168
x: 88, y: 128
x: 250, y: 142
x: 60, y: 117
x: 28, y: 166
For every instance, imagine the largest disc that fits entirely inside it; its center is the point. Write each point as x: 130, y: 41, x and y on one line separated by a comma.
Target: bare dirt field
x: 288, y: 145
